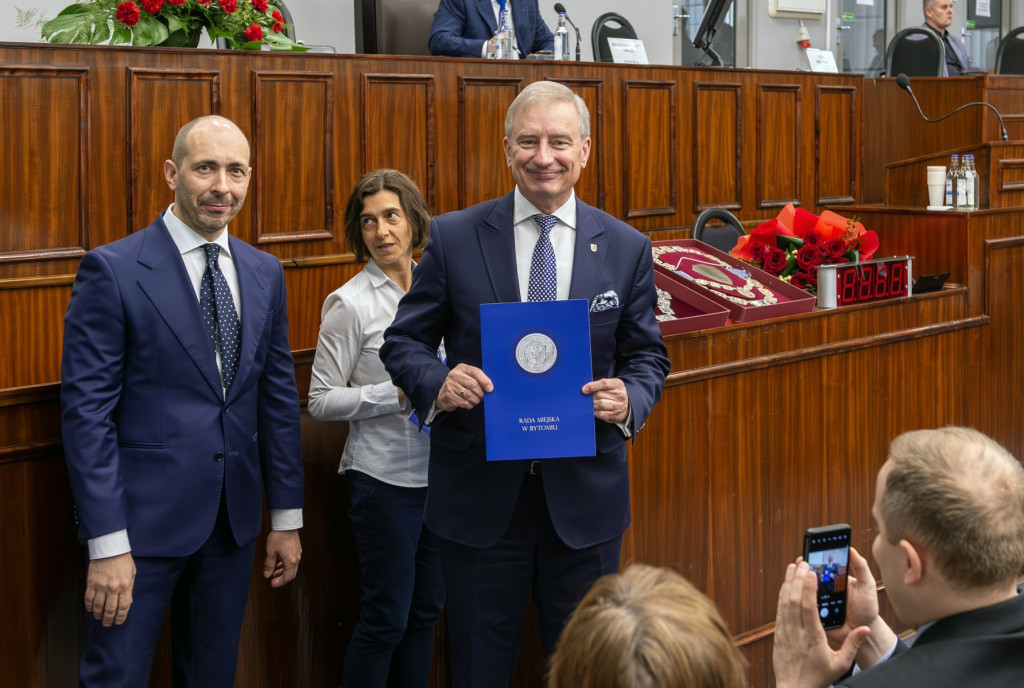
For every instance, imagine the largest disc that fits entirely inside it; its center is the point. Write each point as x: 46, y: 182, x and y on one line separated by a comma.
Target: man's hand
x: 283, y: 553
x: 108, y: 588
x: 611, y: 403
x: 464, y: 388
x: 802, y: 657
x: 862, y: 610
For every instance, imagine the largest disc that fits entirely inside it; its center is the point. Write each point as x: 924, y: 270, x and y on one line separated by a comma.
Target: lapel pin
x: 593, y: 248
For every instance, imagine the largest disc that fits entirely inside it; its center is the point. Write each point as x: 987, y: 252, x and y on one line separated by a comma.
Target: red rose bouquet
x: 797, y: 241
x: 246, y: 24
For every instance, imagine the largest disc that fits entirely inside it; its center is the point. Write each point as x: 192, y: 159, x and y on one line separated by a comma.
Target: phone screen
x: 827, y: 552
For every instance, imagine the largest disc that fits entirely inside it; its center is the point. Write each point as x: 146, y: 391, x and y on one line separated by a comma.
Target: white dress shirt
x: 496, y: 6
x: 349, y: 382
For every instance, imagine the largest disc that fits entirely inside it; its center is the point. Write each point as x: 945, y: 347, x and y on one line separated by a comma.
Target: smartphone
x: 827, y: 552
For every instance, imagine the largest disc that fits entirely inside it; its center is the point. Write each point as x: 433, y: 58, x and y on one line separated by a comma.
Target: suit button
x: 219, y: 456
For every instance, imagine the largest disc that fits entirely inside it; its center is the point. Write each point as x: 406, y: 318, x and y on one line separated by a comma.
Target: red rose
x: 177, y: 3
x: 775, y: 261
x: 836, y: 248
x: 808, y: 257
x: 152, y: 6
x: 277, y: 17
x: 812, y: 239
x: 800, y: 280
x: 757, y: 253
x: 203, y: 2
x: 128, y: 13
x: 278, y: 27
x: 260, y: 5
x: 254, y: 33
x: 229, y: 6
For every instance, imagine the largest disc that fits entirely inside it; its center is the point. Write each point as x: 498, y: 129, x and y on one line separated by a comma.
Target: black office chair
x: 1010, y: 55
x: 394, y: 27
x: 724, y: 236
x: 609, y: 25
x: 917, y: 51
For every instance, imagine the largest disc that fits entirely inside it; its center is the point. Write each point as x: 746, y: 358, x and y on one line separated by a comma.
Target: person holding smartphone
x: 949, y: 505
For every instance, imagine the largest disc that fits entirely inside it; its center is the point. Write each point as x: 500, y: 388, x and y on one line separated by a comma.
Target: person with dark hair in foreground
x: 646, y: 627
x: 949, y: 505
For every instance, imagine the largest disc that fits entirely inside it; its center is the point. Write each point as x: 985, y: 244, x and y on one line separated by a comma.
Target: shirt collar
x: 524, y: 210
x: 376, y: 275
x: 188, y: 239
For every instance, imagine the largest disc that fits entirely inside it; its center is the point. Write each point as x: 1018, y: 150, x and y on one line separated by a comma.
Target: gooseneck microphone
x: 559, y: 7
x: 904, y: 82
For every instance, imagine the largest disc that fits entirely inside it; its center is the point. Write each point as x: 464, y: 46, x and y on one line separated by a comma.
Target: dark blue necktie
x: 501, y: 8
x: 219, y: 314
x: 543, y: 271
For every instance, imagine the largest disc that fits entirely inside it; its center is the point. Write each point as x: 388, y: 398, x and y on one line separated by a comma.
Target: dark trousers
x: 403, y: 591
x: 489, y: 588
x: 207, y: 593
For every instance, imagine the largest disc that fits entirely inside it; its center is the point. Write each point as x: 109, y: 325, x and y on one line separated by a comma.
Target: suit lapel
x: 169, y: 289
x: 486, y: 11
x: 589, y: 253
x: 498, y: 248
x: 255, y: 299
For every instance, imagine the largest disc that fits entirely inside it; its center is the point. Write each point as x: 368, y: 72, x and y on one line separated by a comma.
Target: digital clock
x: 844, y: 284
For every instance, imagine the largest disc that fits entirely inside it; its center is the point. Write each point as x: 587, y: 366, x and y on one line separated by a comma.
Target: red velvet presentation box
x: 747, y: 292
x: 690, y: 310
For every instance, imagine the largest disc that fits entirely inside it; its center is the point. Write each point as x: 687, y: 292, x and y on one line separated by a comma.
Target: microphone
x: 904, y: 82
x: 559, y: 7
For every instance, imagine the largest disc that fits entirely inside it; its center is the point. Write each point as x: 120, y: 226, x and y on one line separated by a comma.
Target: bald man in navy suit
x: 179, y: 416
x: 511, y: 528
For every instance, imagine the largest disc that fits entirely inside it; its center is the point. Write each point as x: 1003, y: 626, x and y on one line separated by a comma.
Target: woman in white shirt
x: 385, y: 455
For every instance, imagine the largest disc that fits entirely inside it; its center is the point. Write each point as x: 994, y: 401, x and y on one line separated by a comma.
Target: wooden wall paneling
x: 159, y: 102
x: 33, y: 318
x: 399, y: 127
x: 309, y: 284
x: 483, y: 102
x: 837, y: 143
x: 44, y: 180
x: 716, y: 167
x: 44, y: 574
x: 998, y: 411
x: 591, y: 186
x: 650, y: 167
x: 293, y: 131
x: 779, y: 144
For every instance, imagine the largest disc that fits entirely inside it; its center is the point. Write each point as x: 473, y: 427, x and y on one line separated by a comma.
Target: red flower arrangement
x: 248, y: 24
x: 797, y: 241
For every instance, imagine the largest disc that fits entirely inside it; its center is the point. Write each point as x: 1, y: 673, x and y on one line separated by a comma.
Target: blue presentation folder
x: 537, y: 354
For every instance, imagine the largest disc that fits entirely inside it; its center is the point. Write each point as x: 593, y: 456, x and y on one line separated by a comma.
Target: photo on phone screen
x: 827, y: 552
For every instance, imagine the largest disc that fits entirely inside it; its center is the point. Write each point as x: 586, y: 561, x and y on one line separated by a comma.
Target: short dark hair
x: 414, y: 206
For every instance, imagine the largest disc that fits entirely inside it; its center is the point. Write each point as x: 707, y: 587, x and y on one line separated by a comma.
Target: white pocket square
x: 604, y: 302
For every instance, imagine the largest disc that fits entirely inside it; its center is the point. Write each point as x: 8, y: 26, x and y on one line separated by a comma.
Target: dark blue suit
x: 153, y: 446
x: 461, y: 26
x: 469, y: 260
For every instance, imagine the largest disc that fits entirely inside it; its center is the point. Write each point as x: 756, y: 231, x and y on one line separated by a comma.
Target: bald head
x: 181, y: 141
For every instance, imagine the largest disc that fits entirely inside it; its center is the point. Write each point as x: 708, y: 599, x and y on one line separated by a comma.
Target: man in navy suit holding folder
x: 179, y: 411
x: 511, y: 526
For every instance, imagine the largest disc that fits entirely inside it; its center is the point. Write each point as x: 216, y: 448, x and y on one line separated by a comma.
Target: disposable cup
x: 936, y: 174
x: 936, y: 194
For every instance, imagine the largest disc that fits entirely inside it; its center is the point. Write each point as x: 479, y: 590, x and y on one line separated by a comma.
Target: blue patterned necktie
x: 543, y: 271
x: 219, y: 314
x: 501, y: 8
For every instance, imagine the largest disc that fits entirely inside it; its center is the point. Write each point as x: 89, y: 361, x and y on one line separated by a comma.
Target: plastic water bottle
x: 971, y: 180
x: 951, y: 175
x: 561, y: 38
x: 960, y: 184
x: 505, y: 38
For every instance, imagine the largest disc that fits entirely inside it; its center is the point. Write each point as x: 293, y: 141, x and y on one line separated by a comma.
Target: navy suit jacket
x: 983, y: 647
x: 461, y: 26
x: 149, y: 438
x: 470, y: 259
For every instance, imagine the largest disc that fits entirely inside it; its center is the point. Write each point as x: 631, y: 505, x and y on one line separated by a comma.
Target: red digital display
x: 866, y: 282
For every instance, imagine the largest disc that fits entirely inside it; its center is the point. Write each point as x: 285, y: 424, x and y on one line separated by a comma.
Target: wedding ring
x: 462, y: 392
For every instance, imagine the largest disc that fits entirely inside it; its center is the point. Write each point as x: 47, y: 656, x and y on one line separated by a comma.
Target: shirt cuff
x: 109, y: 545
x: 285, y: 519
x: 884, y: 658
x: 626, y: 426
